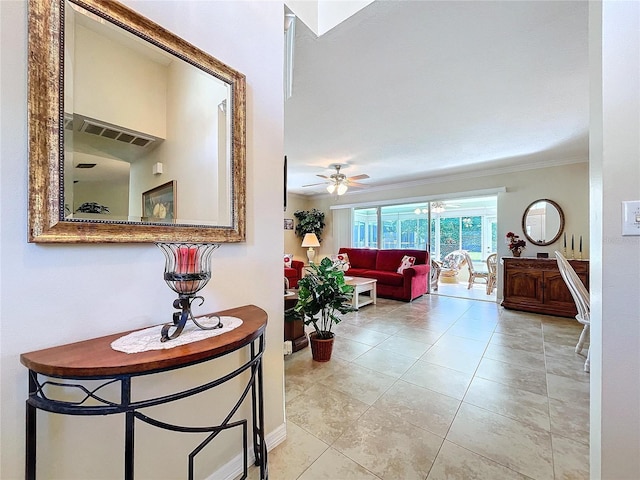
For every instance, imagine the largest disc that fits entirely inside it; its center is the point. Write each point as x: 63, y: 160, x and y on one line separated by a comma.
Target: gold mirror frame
x: 46, y: 134
x: 560, y: 227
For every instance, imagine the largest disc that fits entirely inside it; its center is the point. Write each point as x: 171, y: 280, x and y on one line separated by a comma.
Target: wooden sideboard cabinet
x: 535, y: 285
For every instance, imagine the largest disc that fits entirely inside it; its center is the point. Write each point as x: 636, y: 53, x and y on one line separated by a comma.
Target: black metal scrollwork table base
x: 95, y: 360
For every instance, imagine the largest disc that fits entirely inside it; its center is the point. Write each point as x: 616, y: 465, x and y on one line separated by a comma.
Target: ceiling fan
x: 339, y: 182
x: 437, y: 206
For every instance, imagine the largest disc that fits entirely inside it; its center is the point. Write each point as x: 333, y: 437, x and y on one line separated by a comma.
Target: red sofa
x: 383, y: 265
x: 294, y: 273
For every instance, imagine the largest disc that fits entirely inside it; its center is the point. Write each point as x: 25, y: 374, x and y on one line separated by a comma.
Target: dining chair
x: 580, y: 296
x: 492, y: 268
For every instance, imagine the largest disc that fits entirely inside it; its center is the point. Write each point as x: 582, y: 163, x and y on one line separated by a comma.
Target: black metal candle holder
x: 187, y: 270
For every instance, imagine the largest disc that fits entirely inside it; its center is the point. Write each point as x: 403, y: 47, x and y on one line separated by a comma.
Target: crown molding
x: 424, y: 198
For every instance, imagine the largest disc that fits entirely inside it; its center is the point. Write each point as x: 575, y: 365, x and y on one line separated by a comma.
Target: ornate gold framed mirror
x: 135, y: 135
x: 543, y: 222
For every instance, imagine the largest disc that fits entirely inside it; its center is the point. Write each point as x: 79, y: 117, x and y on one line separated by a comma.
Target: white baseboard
x: 234, y: 467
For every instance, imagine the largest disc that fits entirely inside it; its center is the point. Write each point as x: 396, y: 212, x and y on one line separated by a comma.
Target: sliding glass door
x: 464, y: 224
x: 402, y: 228
x: 365, y: 228
x: 399, y: 226
x: 458, y: 224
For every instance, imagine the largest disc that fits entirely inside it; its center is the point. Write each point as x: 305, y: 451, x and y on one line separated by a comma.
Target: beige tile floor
x: 478, y: 290
x: 440, y: 388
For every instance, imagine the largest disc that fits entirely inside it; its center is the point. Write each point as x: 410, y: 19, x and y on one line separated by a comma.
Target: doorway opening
x: 463, y: 231
x: 443, y: 227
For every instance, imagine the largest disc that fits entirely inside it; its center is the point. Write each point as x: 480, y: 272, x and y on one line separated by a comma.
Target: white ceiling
x: 409, y: 90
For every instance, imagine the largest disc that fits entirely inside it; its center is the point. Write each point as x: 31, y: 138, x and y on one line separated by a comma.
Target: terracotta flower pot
x: 516, y: 253
x: 321, y: 348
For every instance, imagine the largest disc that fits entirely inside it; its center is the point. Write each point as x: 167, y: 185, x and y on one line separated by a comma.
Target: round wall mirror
x: 543, y: 222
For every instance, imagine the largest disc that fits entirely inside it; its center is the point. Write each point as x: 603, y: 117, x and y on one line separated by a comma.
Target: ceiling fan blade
x: 359, y: 177
x: 314, y: 184
x: 357, y: 185
x: 323, y: 176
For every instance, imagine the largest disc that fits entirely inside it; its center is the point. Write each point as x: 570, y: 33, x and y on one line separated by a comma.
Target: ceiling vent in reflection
x: 113, y: 132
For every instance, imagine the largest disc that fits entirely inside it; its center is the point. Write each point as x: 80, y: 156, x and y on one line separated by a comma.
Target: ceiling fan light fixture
x: 437, y: 207
x: 342, y: 189
x: 331, y: 187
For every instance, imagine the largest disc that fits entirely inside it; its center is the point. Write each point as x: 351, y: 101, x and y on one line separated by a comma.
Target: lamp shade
x: 342, y: 188
x: 310, y: 240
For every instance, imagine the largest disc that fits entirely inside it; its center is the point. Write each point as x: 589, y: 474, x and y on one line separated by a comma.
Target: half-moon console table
x: 96, y: 360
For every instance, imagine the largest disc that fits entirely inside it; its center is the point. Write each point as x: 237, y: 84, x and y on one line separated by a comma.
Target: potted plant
x: 515, y: 244
x: 322, y: 296
x: 309, y: 221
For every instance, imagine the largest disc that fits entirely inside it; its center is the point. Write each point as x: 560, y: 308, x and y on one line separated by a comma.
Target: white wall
x: 192, y: 99
x: 615, y: 177
x: 113, y: 194
x: 292, y: 243
x: 568, y: 185
x: 135, y: 98
x: 55, y: 294
x: 321, y: 16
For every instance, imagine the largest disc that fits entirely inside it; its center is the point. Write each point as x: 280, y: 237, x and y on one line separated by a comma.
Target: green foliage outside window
x: 472, y: 237
x: 449, y: 235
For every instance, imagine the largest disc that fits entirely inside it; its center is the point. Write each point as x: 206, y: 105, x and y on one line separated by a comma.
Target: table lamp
x: 310, y: 240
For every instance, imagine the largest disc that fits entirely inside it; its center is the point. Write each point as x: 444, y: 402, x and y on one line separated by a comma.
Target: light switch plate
x: 631, y: 218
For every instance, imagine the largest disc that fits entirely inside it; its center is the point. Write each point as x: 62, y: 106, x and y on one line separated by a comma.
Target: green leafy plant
x: 309, y: 221
x: 322, y: 294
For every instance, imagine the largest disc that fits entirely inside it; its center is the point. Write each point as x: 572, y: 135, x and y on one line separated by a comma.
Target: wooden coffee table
x: 363, y: 285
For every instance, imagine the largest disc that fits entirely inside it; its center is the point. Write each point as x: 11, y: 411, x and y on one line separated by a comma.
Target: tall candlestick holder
x: 580, y: 249
x: 187, y: 270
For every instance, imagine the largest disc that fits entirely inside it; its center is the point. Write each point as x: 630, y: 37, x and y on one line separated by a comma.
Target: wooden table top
x: 359, y: 280
x: 96, y: 358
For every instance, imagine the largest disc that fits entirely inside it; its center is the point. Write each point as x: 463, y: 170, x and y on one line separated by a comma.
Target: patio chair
x: 434, y: 275
x: 474, y: 274
x: 492, y: 267
x: 451, y: 265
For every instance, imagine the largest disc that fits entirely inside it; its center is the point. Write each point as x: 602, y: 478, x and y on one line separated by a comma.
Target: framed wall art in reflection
x: 159, y: 203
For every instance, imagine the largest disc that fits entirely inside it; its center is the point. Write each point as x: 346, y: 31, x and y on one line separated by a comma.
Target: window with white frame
x: 459, y: 224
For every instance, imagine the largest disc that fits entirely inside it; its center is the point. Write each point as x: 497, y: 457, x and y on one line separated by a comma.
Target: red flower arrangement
x: 515, y: 244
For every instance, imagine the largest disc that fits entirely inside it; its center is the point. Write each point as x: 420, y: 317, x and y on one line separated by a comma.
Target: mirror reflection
x: 543, y: 222
x: 136, y: 120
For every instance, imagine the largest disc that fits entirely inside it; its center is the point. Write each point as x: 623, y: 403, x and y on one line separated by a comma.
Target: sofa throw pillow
x: 406, y: 262
x: 342, y: 261
x: 287, y: 260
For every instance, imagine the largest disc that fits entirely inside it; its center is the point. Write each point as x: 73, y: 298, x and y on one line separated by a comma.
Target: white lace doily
x: 149, y: 338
